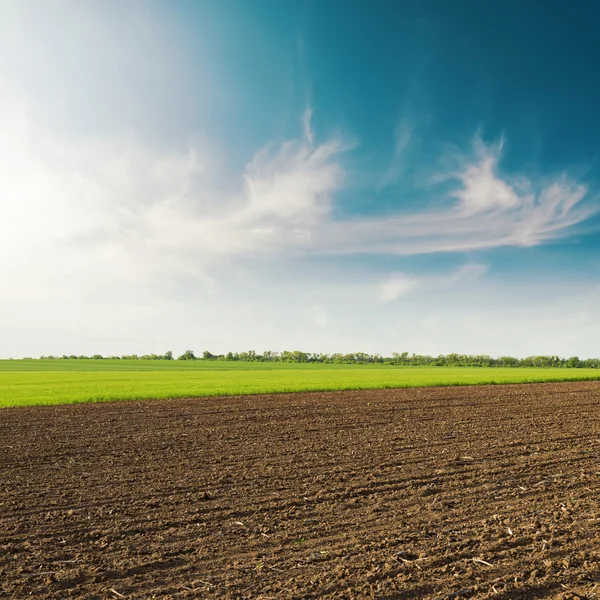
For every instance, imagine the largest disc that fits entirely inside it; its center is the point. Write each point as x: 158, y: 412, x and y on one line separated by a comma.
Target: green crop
x: 24, y: 383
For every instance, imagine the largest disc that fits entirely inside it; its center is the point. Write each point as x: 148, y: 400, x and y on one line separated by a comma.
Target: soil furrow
x: 481, y: 492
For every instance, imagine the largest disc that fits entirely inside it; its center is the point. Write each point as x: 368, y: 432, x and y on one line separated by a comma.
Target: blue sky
x: 327, y: 176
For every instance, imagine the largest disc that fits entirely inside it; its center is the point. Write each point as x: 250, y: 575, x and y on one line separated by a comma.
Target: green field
x: 26, y: 383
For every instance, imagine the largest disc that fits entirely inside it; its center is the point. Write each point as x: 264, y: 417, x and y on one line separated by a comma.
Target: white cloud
x: 88, y: 224
x: 490, y: 212
x: 306, y: 124
x: 110, y: 200
x: 139, y: 209
x: 468, y: 272
x: 397, y: 286
x: 402, y: 138
x: 483, y: 190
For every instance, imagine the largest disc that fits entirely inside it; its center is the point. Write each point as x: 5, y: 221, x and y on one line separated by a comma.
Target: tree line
x: 404, y: 358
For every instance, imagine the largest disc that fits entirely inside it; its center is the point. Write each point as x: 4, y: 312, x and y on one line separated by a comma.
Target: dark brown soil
x: 466, y: 492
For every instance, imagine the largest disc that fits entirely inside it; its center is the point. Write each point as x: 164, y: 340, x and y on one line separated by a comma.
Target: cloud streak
x: 402, y: 138
x: 110, y: 201
x: 485, y: 212
x: 134, y: 208
x: 119, y: 200
x: 398, y: 285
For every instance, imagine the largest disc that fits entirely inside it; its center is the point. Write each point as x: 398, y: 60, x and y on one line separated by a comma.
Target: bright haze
x: 325, y: 176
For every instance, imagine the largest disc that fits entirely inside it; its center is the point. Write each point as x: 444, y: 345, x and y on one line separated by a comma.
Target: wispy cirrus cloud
x: 135, y: 209
x: 483, y: 211
x: 402, y: 138
x: 115, y: 190
x: 81, y: 204
x: 398, y: 285
x: 107, y: 198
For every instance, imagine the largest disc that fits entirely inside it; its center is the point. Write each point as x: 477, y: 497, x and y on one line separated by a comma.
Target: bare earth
x: 472, y: 492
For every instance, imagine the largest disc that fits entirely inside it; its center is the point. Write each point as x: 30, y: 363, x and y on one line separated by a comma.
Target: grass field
x: 27, y: 383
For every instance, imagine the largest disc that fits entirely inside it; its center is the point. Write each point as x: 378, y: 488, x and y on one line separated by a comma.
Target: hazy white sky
x: 132, y: 221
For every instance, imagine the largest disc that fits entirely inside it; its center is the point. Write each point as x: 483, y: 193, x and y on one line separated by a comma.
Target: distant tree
x: 296, y: 356
x: 591, y: 363
x: 300, y: 357
x: 187, y: 355
x: 508, y: 361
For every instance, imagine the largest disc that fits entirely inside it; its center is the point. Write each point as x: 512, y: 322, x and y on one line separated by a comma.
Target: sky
x: 376, y: 176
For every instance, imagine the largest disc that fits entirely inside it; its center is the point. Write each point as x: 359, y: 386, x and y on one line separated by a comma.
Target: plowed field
x: 476, y: 492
